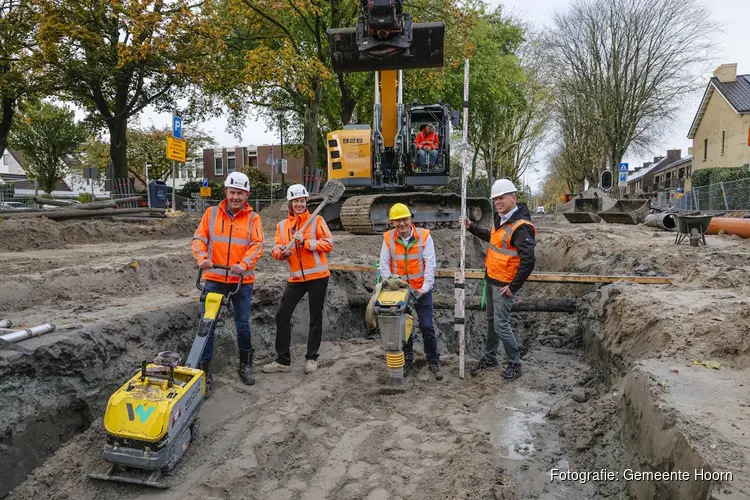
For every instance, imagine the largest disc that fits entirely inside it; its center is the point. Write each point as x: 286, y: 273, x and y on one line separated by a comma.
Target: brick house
x: 721, y: 128
x: 219, y: 162
x: 641, y: 182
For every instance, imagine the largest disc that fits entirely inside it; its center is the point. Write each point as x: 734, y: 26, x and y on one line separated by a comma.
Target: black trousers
x: 316, y: 290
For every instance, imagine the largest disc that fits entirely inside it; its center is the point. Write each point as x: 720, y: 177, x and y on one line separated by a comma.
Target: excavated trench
x: 579, y: 407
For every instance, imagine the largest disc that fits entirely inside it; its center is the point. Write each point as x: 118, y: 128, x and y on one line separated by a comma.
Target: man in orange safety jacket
x: 309, y: 274
x: 409, y: 253
x: 509, y: 262
x: 231, y: 235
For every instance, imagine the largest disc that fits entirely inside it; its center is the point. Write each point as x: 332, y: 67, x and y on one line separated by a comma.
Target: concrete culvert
x: 592, y: 395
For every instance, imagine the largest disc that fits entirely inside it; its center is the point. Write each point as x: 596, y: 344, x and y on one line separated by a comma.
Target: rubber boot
x: 246, y: 367
x: 206, y: 367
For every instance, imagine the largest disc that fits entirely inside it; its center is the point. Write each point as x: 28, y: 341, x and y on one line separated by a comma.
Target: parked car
x: 13, y: 205
x: 540, y: 210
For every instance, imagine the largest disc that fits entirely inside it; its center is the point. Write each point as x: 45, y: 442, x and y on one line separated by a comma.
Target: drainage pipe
x: 664, y: 221
x: 5, y: 323
x: 28, y: 333
x: 730, y: 225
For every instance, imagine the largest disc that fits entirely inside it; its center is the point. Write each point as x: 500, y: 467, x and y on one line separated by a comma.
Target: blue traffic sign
x: 622, y: 167
x: 177, y: 127
x: 623, y: 177
x: 205, y: 183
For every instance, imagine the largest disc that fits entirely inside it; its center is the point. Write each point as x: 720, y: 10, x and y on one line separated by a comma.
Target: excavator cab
x: 386, y: 38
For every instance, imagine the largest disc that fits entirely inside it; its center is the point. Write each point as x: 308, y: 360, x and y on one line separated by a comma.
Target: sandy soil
x: 581, y: 403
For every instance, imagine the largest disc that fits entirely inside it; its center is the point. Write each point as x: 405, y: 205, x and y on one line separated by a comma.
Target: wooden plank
x: 535, y: 277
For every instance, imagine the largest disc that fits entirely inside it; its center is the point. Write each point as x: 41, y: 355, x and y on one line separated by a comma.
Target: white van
x: 540, y: 210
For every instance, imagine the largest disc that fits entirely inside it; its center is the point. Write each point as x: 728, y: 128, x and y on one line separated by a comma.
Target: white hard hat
x: 296, y: 191
x: 501, y: 187
x: 237, y: 180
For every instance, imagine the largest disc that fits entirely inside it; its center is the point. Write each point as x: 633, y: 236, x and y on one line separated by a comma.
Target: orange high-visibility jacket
x: 408, y: 261
x: 226, y: 241
x: 423, y: 140
x: 502, y: 258
x: 308, y: 261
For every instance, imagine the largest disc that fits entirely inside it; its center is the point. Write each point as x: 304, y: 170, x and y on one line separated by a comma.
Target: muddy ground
x: 614, y: 386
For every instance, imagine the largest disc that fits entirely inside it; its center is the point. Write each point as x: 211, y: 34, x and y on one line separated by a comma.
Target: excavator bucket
x: 424, y: 51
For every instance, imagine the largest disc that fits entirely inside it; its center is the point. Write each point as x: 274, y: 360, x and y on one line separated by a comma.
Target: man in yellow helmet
x: 409, y: 253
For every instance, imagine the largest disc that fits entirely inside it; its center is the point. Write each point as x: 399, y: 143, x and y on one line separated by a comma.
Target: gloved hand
x: 299, y: 237
x: 395, y: 283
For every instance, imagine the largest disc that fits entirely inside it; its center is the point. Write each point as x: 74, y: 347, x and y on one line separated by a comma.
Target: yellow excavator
x: 379, y: 164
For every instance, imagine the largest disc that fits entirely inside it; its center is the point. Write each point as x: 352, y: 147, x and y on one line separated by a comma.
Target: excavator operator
x: 427, y: 143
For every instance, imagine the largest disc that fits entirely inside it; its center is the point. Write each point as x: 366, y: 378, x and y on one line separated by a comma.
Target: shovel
x: 331, y: 193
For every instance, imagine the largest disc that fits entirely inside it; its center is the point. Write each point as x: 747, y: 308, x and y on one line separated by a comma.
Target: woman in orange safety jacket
x: 309, y: 274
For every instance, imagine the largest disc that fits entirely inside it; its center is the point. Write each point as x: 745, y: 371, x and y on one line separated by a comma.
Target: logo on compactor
x: 142, y: 412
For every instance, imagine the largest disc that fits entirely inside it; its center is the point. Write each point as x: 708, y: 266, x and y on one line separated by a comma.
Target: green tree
x: 150, y: 146
x: 115, y: 57
x: 19, y: 72
x: 46, y: 134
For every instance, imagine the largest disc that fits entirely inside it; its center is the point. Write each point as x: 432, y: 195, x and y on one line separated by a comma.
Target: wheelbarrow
x: 693, y: 227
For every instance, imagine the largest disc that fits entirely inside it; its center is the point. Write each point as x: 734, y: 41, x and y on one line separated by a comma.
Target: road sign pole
x: 148, y: 190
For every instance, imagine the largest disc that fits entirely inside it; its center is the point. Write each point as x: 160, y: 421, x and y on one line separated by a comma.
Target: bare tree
x: 633, y: 60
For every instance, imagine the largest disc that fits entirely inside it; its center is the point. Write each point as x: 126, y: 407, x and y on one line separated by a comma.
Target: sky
x: 733, y: 46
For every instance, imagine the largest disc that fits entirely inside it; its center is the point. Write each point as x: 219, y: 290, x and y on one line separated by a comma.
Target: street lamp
x: 280, y: 111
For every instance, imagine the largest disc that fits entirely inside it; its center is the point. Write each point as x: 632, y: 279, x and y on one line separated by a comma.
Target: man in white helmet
x: 231, y: 235
x: 509, y: 262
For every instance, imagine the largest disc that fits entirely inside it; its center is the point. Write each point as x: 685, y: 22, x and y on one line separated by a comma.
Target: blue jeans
x: 424, y: 314
x: 498, y: 326
x: 422, y: 154
x: 241, y: 302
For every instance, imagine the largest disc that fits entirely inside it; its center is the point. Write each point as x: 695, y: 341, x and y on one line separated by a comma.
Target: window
x: 230, y: 162
x: 6, y: 159
x: 681, y: 174
x: 705, y: 149
x: 253, y: 161
x: 218, y: 165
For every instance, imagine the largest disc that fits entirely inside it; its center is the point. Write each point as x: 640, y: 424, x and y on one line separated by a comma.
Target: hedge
x: 707, y: 176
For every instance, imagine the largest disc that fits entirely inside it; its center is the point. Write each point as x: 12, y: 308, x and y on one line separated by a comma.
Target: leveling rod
x: 478, y: 274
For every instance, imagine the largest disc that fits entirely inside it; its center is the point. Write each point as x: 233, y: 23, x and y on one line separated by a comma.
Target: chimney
x: 673, y: 155
x: 657, y: 159
x: 726, y: 73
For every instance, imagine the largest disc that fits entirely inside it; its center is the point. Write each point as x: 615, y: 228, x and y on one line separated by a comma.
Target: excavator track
x: 368, y: 214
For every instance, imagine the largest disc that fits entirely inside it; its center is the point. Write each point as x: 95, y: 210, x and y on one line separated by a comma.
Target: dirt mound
x: 271, y: 215
x: 31, y: 234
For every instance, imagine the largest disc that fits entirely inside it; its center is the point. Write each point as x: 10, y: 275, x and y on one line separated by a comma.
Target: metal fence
x: 723, y: 196
x: 201, y: 204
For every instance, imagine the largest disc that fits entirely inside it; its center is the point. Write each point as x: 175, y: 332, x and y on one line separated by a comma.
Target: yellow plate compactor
x: 395, y: 321
x: 153, y: 417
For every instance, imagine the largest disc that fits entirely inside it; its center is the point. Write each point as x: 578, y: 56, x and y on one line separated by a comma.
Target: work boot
x: 407, y: 366
x: 206, y: 367
x: 435, y: 369
x: 482, y: 366
x: 512, y: 371
x: 246, y: 367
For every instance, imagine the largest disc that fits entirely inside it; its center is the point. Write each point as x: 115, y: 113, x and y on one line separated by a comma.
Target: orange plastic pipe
x: 730, y: 225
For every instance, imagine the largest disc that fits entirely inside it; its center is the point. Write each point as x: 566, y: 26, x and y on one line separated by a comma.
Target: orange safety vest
x: 227, y: 241
x: 423, y: 140
x: 308, y: 261
x: 502, y: 259
x: 407, y: 261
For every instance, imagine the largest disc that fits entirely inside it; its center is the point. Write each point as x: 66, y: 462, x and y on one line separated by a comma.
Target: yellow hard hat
x: 399, y: 211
